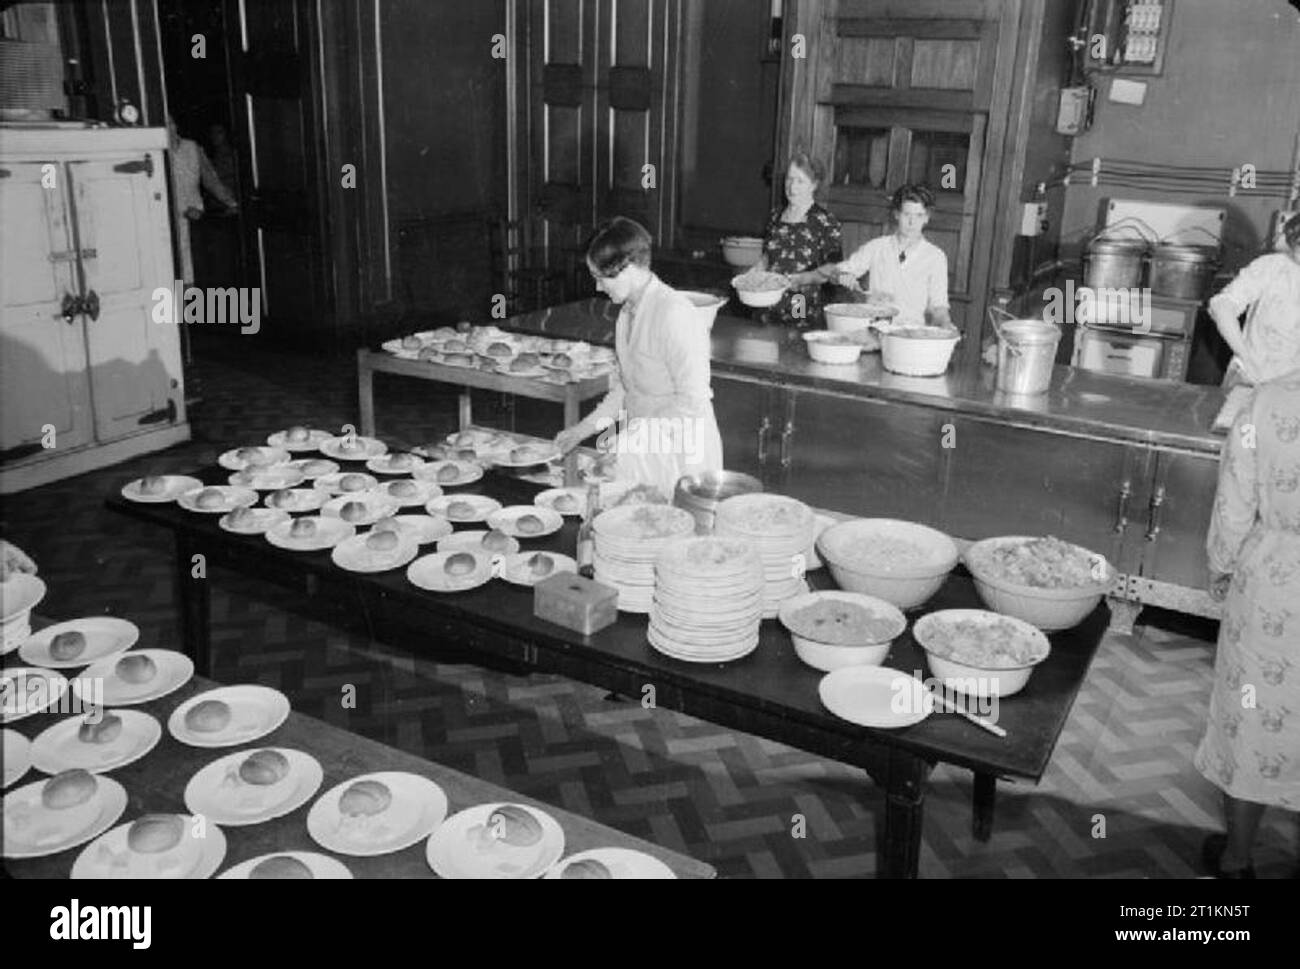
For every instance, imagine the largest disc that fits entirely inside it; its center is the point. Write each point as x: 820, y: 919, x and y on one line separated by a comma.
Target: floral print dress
x: 1251, y: 748
x: 796, y: 247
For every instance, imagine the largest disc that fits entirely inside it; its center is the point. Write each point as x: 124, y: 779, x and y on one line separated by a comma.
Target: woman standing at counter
x: 906, y: 265
x: 802, y: 242
x: 1268, y: 345
x: 1251, y: 748
x: 660, y: 398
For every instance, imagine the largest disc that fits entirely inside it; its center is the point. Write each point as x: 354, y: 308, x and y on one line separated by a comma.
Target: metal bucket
x: 1183, y: 272
x: 1115, y: 263
x: 1026, y: 356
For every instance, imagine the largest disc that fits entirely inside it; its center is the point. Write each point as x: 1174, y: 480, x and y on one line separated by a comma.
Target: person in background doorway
x: 190, y: 170
x: 1268, y: 291
x: 222, y: 154
x: 1251, y: 747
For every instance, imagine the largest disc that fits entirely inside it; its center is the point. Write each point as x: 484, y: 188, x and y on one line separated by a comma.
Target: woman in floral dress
x: 802, y: 241
x: 1251, y: 748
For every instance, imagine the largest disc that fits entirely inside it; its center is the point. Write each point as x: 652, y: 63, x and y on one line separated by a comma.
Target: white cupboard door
x: 42, y: 356
x: 135, y: 362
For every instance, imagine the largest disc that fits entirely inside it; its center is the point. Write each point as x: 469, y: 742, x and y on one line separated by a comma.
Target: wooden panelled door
x: 596, y: 133
x: 895, y: 92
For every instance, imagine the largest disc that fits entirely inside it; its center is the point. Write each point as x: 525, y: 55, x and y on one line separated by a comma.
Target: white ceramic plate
x: 268, y: 479
x: 59, y: 748
x: 28, y: 690
x: 354, y: 556
x: 110, y: 857
x: 219, y: 794
x: 507, y: 520
x: 268, y: 457
x: 473, y: 542
x: 367, y: 448
x: 105, y: 636
x: 466, y: 473
x: 299, y: 500
x: 424, y: 492
x: 481, y: 506
x: 255, y: 711
x: 19, y: 595
x: 231, y: 498
x: 547, y: 499
x: 544, y: 454
x: 18, y: 756
x: 468, y: 845
x: 518, y: 572
x: 377, y: 505
x: 174, y: 671
x: 175, y: 485
x: 313, y: 468
x: 40, y: 834
x: 876, y: 696
x: 333, y: 483
x: 427, y: 573
x: 385, y: 464
x: 262, y: 521
x: 611, y: 863
x: 280, y: 439
x: 322, y: 866
x: 423, y: 529
x: 418, y: 807
x: 329, y: 532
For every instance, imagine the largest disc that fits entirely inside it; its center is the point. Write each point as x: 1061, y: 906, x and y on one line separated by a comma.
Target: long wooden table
x: 156, y: 783
x: 770, y: 693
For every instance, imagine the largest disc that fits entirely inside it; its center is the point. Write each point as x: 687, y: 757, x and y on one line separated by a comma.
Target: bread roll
x: 464, y: 326
x: 527, y: 361
x: 281, y: 499
x: 354, y: 511
x: 303, y: 528
x: 562, y: 360
x: 242, y: 518
x: 565, y: 504
x: 297, y: 435
x: 430, y: 355
x: 353, y: 445
x: 529, y: 525
x: 68, y: 645
x: 500, y: 350
x: 587, y: 868
x: 460, y: 359
x: 460, y: 564
x: 264, y: 768
x: 208, y: 716
x: 155, y: 833
x: 411, y: 343
x: 464, y: 439
x: 541, y: 565
x: 387, y: 525
x: 382, y: 541
x: 488, y: 365
x: 249, y: 455
x: 448, y: 473
x: 211, y: 499
x: 529, y: 454
x: 365, y: 799
x: 136, y: 668
x: 515, y: 826
x: 465, y: 454
x: 280, y: 867
x: 68, y: 789
x: 496, y: 541
x: 353, y: 482
x: 456, y: 345
x: 401, y: 462
x: 403, y: 489
x: 153, y: 486
x: 318, y: 467
x: 460, y: 509
x: 106, y: 731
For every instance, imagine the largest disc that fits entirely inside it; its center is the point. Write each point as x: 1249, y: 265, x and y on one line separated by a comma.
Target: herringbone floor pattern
x: 1121, y: 798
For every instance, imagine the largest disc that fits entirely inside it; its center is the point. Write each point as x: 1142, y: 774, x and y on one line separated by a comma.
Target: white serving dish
x: 905, y: 586
x: 1048, y: 609
x: 759, y: 299
x: 976, y: 680
x: 827, y: 656
x: 742, y: 251
x: 824, y: 347
x: 923, y: 351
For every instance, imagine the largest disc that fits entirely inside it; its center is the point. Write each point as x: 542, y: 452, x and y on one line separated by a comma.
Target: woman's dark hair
x: 617, y: 244
x: 1291, y: 230
x: 809, y: 165
x: 912, y: 193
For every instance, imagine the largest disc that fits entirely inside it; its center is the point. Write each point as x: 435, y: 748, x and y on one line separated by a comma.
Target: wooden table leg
x: 572, y: 414
x: 193, y: 600
x: 904, y: 813
x: 982, y: 804
x: 466, y: 410
x: 366, y: 392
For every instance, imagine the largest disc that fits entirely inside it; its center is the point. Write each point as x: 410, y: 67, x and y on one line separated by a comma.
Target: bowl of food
x: 900, y: 562
x: 760, y: 290
x: 980, y: 653
x: 855, y: 317
x: 834, y: 348
x: 832, y: 630
x: 1047, y: 582
x: 742, y: 251
x: 919, y: 351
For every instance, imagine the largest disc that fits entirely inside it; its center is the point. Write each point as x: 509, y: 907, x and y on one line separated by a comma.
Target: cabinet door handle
x: 1153, y: 521
x: 90, y: 306
x: 786, y: 435
x: 763, y: 430
x: 70, y: 308
x: 167, y: 414
x: 1121, y: 513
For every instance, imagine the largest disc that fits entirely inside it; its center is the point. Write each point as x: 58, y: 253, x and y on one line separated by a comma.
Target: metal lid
x: 1118, y: 246
x: 1180, y: 252
x: 1029, y: 332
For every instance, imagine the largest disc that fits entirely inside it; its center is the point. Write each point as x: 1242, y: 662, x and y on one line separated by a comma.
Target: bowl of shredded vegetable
x: 1047, y: 582
x: 901, y: 562
x: 980, y: 653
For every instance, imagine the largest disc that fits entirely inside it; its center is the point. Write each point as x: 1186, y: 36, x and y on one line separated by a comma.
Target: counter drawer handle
x: 763, y: 430
x: 786, y: 435
x: 1121, y: 515
x: 1157, y: 502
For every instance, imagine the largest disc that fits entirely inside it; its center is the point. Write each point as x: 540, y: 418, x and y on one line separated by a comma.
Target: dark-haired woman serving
x: 660, y: 400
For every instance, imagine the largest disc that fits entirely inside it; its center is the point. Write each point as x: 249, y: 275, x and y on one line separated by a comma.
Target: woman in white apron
x: 657, y: 420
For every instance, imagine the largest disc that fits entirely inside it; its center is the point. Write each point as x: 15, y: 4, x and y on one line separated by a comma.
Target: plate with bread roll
x: 451, y: 571
x: 25, y: 690
x: 217, y: 499
x: 411, y: 494
x: 298, y: 439
x: 250, y: 787
x: 399, y: 462
x: 449, y: 474
x: 529, y: 568
x: 353, y: 448
x: 496, y: 841
x: 154, y: 846
x: 526, y: 521
x: 268, y: 479
x: 135, y: 677
x: 361, y: 510
x: 570, y: 502
x: 249, y: 458
x: 491, y: 543
x: 17, y: 756
x: 476, y: 438
x: 374, y: 552
x: 310, y: 534
x: 103, y: 741
x: 377, y: 814
x: 288, y: 865
x: 346, y: 483
x: 296, y: 501
x: 529, y: 455
x: 79, y: 642
x: 314, y: 468
x: 604, y: 864
x: 54, y: 814
x: 229, y: 716
x: 420, y: 529
x: 463, y: 509
x: 159, y: 489
x: 253, y: 521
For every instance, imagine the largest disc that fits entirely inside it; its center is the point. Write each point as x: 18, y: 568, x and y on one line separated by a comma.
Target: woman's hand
x: 14, y: 560
x: 848, y: 280
x: 1220, y: 582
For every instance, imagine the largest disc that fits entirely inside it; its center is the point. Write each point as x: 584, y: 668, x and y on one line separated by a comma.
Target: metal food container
x: 701, y: 493
x: 1026, y: 356
x: 1115, y: 263
x: 1183, y: 271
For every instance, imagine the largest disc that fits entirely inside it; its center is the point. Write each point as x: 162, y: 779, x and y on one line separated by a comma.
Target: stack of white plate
x: 628, y: 539
x: 708, y: 600
x: 781, y: 529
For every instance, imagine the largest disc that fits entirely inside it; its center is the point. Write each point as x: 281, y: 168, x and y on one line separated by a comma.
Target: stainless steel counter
x: 1079, y: 402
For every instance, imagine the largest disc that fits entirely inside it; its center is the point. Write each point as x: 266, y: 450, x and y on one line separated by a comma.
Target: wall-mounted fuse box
x: 1129, y: 36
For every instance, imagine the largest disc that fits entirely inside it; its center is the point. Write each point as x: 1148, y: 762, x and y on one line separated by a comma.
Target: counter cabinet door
x: 747, y: 414
x: 863, y: 457
x: 1177, y: 519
